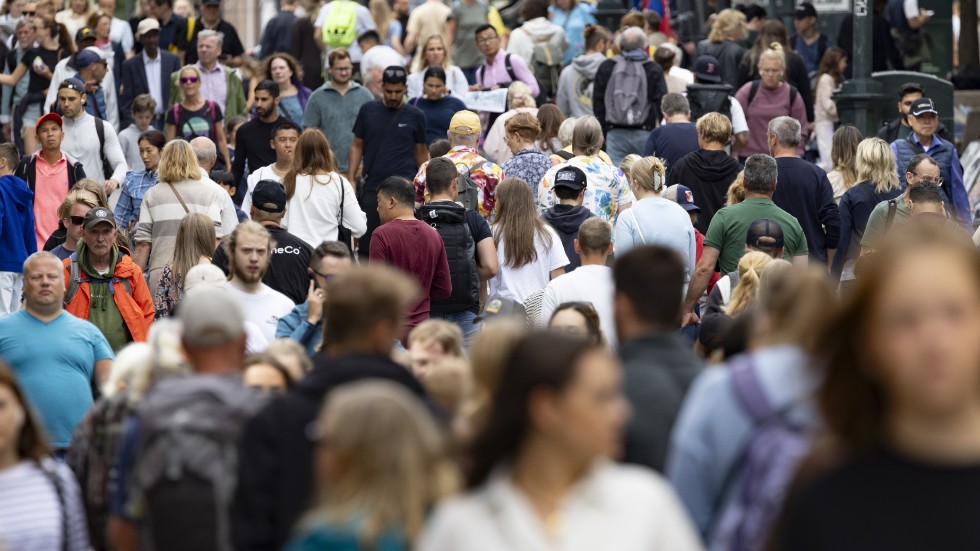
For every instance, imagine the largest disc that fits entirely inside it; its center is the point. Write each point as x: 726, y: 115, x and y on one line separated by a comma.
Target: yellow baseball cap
x: 465, y: 122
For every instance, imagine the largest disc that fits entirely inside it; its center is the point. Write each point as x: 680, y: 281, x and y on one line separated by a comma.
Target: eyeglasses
x: 393, y: 74
x: 188, y: 80
x: 771, y: 71
x: 326, y: 277
x: 928, y: 180
x: 486, y: 39
x: 77, y: 220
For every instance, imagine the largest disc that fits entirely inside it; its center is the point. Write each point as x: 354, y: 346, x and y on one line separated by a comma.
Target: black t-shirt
x: 195, y: 123
x: 252, y: 147
x: 389, y: 151
x: 231, y: 45
x: 287, y: 266
x: 37, y: 83
x: 885, y: 501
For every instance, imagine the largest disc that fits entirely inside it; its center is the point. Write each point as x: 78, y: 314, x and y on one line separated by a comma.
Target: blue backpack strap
x: 748, y: 388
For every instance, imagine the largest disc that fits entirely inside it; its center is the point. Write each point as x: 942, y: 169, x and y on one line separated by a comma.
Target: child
x: 226, y: 180
x: 142, y: 109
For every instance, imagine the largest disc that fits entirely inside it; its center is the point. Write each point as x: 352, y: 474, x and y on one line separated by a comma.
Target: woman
x: 713, y: 426
x: 266, y: 374
x: 320, y: 199
x: 151, y: 144
x: 13, y: 95
x: 195, y: 116
x: 899, y: 400
x: 529, y: 251
x: 542, y: 474
x: 381, y: 465
x: 519, y: 100
x: 11, y: 14
x: 574, y: 17
x: 843, y: 147
x: 284, y: 70
x: 829, y: 79
x: 388, y: 27
x: 795, y: 70
x: 437, y: 105
x: 195, y: 245
x: 53, y: 45
x: 101, y: 23
x: 578, y: 319
x: 550, y: 118
x: 653, y: 220
x: 528, y: 163
x: 434, y: 54
x: 773, y: 97
x: 574, y: 97
x: 746, y: 291
x: 875, y: 164
x: 40, y: 500
x: 722, y: 43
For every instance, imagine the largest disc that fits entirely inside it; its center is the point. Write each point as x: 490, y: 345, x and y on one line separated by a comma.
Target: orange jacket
x: 137, y: 310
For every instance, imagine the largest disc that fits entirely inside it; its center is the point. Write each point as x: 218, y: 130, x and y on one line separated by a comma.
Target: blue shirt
x: 529, y: 165
x: 295, y: 326
x: 438, y: 114
x: 389, y: 146
x: 55, y: 364
x: 809, y: 52
x: 672, y: 141
x: 131, y: 195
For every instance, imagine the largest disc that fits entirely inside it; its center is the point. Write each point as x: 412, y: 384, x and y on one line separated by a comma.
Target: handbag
x: 344, y: 234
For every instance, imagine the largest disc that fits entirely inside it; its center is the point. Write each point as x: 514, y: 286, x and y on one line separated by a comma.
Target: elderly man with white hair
x: 628, y: 111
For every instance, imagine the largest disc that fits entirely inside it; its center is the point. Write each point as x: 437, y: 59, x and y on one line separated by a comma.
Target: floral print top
x: 485, y: 173
x: 529, y: 165
x: 606, y: 195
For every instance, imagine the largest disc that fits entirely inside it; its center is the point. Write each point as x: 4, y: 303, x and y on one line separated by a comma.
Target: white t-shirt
x: 520, y: 283
x: 739, y: 124
x: 263, y: 308
x: 380, y: 56
x: 590, y: 283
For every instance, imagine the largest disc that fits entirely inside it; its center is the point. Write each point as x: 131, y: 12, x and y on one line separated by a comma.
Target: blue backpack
x: 766, y: 467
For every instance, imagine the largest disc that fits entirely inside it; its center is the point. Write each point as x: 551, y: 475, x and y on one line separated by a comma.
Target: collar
x: 463, y: 149
x: 217, y: 68
x: 63, y: 159
x: 148, y: 59
x: 915, y: 139
x: 329, y: 86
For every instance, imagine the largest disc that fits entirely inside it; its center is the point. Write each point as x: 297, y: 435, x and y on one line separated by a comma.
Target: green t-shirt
x: 876, y: 222
x: 730, y: 225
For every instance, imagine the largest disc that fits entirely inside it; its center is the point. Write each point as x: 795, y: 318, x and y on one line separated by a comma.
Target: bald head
x: 206, y: 152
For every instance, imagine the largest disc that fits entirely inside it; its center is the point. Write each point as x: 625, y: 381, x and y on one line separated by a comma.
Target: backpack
x: 75, y: 279
x: 545, y: 64
x: 793, y: 92
x: 450, y: 222
x: 709, y: 98
x: 340, y: 26
x: 766, y: 466
x: 627, y: 102
x: 187, y: 460
x: 468, y: 190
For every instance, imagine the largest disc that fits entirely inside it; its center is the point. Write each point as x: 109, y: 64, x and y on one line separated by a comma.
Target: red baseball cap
x: 48, y: 117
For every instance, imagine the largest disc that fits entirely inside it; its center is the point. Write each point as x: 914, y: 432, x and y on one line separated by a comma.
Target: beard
x: 246, y: 276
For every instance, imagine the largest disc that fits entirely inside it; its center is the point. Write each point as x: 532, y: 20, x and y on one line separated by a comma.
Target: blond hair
x: 450, y: 383
x: 447, y: 334
x: 749, y: 271
x: 715, y: 127
x: 519, y: 95
x: 77, y: 196
x: 626, y: 165
x: 730, y: 23
x: 648, y: 174
x: 774, y: 53
x: 292, y: 356
x: 178, y: 163
x: 875, y: 162
x: 736, y: 191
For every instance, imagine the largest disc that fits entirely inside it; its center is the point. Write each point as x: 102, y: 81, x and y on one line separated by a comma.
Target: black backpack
x: 450, y: 222
x: 709, y: 98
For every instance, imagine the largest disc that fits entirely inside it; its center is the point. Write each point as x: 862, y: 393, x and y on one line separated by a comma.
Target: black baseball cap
x: 805, y: 9
x: 98, y: 216
x: 922, y: 106
x: 85, y: 33
x: 269, y: 196
x: 707, y: 68
x: 764, y: 234
x: 571, y: 177
x: 394, y: 74
x: 72, y: 84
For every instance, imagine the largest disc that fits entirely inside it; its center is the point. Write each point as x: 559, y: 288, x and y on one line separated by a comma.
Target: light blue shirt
x: 658, y: 221
x: 55, y: 364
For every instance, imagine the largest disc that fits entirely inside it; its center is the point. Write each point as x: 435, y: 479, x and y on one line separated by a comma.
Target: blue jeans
x: 621, y: 142
x: 465, y: 321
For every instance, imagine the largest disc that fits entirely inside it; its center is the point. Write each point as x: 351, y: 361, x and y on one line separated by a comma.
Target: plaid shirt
x: 131, y: 195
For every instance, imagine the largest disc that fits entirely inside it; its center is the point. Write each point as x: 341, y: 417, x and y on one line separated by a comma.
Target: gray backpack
x: 468, y: 190
x: 627, y: 102
x: 187, y: 460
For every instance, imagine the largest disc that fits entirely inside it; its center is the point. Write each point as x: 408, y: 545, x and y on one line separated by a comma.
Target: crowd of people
x: 330, y: 291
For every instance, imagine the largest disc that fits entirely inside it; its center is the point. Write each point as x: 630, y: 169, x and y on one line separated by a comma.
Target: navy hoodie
x: 566, y: 220
x: 17, y: 240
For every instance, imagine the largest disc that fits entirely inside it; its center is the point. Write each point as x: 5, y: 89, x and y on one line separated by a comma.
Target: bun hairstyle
x: 593, y: 34
x: 648, y: 173
x: 774, y: 53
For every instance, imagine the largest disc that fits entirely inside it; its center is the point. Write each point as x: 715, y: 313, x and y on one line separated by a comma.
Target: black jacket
x: 275, y: 471
x: 708, y: 174
x: 133, y: 83
x: 27, y: 171
x: 566, y: 220
x: 656, y: 90
x: 889, y: 131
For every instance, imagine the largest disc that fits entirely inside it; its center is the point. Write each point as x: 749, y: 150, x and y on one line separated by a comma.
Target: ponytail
x: 745, y: 293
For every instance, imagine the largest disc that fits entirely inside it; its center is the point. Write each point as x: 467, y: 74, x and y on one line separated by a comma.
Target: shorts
x: 31, y: 114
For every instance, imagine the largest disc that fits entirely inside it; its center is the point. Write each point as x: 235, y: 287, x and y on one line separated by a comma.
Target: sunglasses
x: 186, y: 80
x: 77, y: 220
x: 30, y: 13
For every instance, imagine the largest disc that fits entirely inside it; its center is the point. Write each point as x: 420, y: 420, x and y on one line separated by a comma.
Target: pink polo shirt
x: 50, y: 190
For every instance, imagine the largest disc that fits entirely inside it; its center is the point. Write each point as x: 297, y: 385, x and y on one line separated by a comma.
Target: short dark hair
x: 652, y: 267
x: 533, y: 9
x: 760, y: 174
x: 399, y: 189
x: 439, y: 175
x: 567, y: 193
x: 370, y: 35
x: 918, y: 160
x: 268, y: 86
x: 10, y: 152
x: 284, y: 125
x: 222, y: 177
x: 484, y: 27
x: 910, y: 88
x: 434, y: 72
x: 439, y: 148
x: 154, y: 137
x: 922, y: 193
x: 335, y: 249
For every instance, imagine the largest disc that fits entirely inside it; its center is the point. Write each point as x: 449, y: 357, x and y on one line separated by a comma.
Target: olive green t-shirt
x: 730, y: 225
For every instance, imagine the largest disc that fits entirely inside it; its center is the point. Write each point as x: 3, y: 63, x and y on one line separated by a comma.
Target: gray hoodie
x: 575, y: 85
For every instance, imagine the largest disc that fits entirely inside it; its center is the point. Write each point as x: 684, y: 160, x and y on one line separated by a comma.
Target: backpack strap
x: 74, y: 278
x: 510, y: 69
x: 748, y: 388
x: 100, y: 132
x: 177, y: 112
x: 793, y: 92
x: 52, y: 474
x: 753, y: 91
x: 892, y: 209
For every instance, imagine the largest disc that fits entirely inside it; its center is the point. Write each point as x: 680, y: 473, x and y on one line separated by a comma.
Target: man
x: 289, y: 256
x: 17, y: 237
x: 707, y: 94
x: 464, y: 136
x: 724, y: 244
x: 339, y: 24
x: 206, y: 153
x: 627, y: 118
x: 72, y: 214
x: 148, y: 73
x: 431, y: 18
x: 907, y: 18
x: 100, y: 102
x: 591, y: 282
x: 283, y: 139
x: 105, y: 287
x: 470, y: 251
x: 278, y: 33
x: 376, y: 56
x: 389, y: 137
x: 569, y: 214
x: 922, y: 169
x: 84, y: 40
x: 173, y: 28
x: 231, y: 46
x: 79, y: 130
x: 498, y: 71
x: 808, y: 41
x: 57, y: 357
x: 899, y: 129
x: 804, y: 191
x: 248, y: 250
x: 411, y: 245
x: 678, y: 137
x: 658, y: 365
x: 334, y: 107
x: 252, y: 141
x: 49, y: 174
x: 275, y: 475
x: 709, y: 171
x: 219, y: 83
x: 305, y: 323
x: 539, y: 34
x: 924, y: 120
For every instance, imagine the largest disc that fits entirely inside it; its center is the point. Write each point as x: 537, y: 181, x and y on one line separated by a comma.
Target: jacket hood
x: 540, y: 28
x: 16, y: 192
x: 712, y: 165
x: 567, y: 219
x: 587, y: 65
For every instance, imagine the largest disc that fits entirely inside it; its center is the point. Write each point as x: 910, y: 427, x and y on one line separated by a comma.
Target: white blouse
x: 313, y: 212
x: 616, y: 507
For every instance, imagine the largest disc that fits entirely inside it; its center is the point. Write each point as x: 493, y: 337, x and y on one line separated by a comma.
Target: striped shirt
x: 35, y: 514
